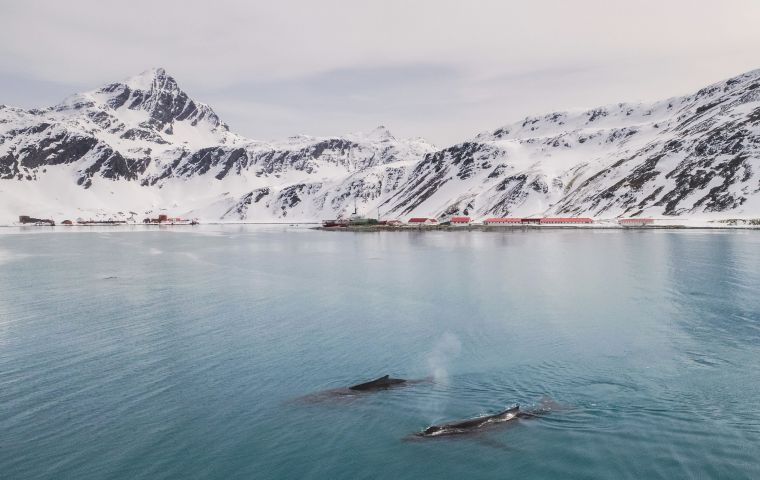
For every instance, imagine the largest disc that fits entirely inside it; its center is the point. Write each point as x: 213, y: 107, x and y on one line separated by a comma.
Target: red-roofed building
x: 502, y: 221
x: 423, y: 221
x: 390, y: 223
x: 565, y: 220
x: 460, y: 220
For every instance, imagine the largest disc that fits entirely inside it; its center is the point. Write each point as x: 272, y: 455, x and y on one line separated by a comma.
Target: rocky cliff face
x: 144, y: 145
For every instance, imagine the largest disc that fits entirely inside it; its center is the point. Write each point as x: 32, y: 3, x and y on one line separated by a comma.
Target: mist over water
x: 145, y: 354
x: 445, y: 350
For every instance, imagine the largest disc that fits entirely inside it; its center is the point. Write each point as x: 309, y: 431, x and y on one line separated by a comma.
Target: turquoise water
x: 147, y: 354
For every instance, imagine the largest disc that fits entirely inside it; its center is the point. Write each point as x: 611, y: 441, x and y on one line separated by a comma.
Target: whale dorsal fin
x: 384, y: 377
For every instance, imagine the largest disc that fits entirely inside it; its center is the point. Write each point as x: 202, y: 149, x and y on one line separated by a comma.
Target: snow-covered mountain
x: 142, y: 146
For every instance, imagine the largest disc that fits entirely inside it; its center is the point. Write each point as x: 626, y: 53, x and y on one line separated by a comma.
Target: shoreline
x: 399, y: 228
x: 153, y: 225
x: 534, y: 227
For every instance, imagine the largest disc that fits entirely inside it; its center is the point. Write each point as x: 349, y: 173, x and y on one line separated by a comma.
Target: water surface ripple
x: 201, y: 353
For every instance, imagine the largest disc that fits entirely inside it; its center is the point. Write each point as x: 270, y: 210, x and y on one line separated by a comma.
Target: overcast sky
x: 444, y: 70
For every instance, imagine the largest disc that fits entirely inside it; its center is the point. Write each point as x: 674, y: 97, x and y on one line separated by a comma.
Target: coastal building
x: 166, y: 219
x: 565, y: 220
x: 460, y: 221
x: 502, y: 221
x: 635, y: 222
x: 67, y: 222
x: 422, y: 221
x: 538, y: 221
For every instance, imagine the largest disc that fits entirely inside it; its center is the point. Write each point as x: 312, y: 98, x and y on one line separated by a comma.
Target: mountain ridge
x: 142, y: 145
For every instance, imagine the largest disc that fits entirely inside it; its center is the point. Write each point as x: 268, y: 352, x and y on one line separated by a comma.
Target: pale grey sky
x: 444, y: 70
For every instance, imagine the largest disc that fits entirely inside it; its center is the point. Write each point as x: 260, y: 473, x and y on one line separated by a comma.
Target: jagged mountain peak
x: 150, y: 79
x: 154, y: 93
x: 380, y: 132
x: 158, y: 93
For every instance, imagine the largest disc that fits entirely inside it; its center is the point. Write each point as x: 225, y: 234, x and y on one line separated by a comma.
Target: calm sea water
x: 185, y: 353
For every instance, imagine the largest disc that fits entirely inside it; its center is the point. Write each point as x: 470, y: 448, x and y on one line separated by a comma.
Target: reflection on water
x: 127, y: 353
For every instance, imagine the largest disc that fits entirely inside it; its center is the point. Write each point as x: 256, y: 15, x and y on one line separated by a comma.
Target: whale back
x: 507, y: 414
x: 383, y: 382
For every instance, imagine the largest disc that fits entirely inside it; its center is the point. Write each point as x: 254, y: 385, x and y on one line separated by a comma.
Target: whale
x: 386, y: 382
x: 476, y: 424
x: 381, y: 383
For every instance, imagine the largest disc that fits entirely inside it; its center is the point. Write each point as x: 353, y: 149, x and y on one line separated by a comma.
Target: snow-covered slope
x: 135, y: 148
x: 697, y: 155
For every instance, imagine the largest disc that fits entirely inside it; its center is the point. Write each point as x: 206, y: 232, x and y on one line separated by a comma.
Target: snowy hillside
x: 694, y: 156
x: 142, y: 146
